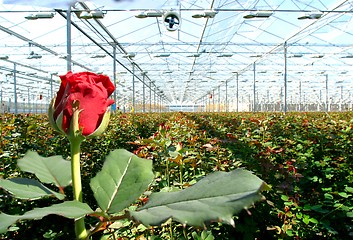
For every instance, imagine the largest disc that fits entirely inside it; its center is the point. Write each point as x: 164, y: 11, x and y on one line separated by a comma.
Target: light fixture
x: 225, y: 55
x: 256, y: 56
x: 151, y: 13
x: 162, y: 55
x: 205, y: 14
x: 95, y: 14
x: 98, y: 56
x: 296, y: 56
x: 194, y: 55
x: 33, y: 55
x: 39, y: 15
x: 348, y: 56
x: 313, y: 15
x: 141, y: 15
x: 4, y: 57
x: 318, y: 56
x: 129, y: 55
x: 258, y: 14
x: 154, y: 14
x: 168, y: 71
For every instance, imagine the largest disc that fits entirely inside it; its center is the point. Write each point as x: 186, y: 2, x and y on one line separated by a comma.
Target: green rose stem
x: 76, y: 138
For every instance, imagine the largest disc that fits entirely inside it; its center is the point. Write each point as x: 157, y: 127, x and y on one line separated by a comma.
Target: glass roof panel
x: 204, y: 54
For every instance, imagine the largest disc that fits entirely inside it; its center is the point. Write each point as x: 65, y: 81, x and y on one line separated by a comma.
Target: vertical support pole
x: 51, y: 86
x: 143, y: 92
x: 209, y: 104
x: 341, y: 98
x: 15, y: 87
x: 2, y: 106
x: 150, y: 96
x: 154, y: 100
x: 68, y: 38
x: 326, y: 88
x: 114, y: 76
x: 133, y: 87
x: 219, y: 98
x: 213, y: 107
x: 285, y: 78
x: 160, y: 103
x: 226, y: 103
x: 300, y: 95
x: 254, y: 88
x: 237, y: 92
x: 28, y: 100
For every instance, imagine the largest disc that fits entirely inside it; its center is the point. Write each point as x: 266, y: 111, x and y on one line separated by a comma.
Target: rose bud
x: 85, y: 92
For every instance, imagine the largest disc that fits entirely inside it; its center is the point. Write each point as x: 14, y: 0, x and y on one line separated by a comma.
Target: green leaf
x: 344, y: 195
x: 349, y: 189
x: 53, y: 169
x: 217, y: 196
x: 318, y: 208
x: 328, y: 196
x: 207, y: 235
x: 123, y: 178
x: 313, y: 220
x: 284, y: 197
x: 68, y: 209
x: 306, y: 219
x: 29, y: 189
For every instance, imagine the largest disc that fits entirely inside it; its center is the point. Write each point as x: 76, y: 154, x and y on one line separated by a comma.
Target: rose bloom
x: 92, y: 92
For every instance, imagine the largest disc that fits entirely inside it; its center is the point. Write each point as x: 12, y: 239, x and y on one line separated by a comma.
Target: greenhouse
x: 176, y: 119
x: 215, y: 55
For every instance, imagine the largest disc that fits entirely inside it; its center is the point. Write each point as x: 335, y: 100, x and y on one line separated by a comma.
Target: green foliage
x: 306, y: 158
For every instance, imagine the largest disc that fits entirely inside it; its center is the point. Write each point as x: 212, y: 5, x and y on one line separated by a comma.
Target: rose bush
x: 91, y: 91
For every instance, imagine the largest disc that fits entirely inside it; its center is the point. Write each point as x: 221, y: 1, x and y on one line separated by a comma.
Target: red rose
x: 92, y: 92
